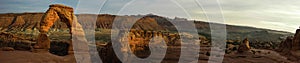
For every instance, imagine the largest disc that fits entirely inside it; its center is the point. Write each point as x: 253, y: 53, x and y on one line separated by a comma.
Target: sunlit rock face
x: 139, y: 40
x: 244, y: 46
x: 55, y: 12
x: 66, y: 15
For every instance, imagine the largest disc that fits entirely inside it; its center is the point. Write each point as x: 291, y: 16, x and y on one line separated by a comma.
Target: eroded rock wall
x: 28, y: 22
x: 290, y: 47
x: 139, y: 39
x: 296, y: 41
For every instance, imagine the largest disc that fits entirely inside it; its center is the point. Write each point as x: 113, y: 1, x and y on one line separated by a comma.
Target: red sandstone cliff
x: 29, y: 21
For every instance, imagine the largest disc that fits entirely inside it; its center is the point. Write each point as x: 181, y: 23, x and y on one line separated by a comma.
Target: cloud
x: 274, y: 14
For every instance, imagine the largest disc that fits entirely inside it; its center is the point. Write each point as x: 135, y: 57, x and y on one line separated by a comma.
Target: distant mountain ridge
x: 29, y: 22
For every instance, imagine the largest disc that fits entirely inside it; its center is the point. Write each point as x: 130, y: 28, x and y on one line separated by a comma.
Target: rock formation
x: 286, y: 45
x: 78, y: 39
x: 107, y: 53
x: 139, y: 40
x: 7, y: 49
x: 244, y: 46
x: 290, y: 47
x: 66, y: 15
x: 30, y: 21
x: 14, y: 41
x: 296, y: 41
x: 55, y: 12
x: 290, y: 43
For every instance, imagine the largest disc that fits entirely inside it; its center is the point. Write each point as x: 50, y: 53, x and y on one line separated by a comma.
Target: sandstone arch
x: 66, y: 15
x: 55, y: 12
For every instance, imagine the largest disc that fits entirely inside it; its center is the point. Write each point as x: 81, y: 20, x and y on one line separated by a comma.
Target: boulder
x: 244, y: 46
x: 43, y: 42
x: 7, y: 49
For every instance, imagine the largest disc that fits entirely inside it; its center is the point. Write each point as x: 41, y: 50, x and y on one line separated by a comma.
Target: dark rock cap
x: 61, y: 6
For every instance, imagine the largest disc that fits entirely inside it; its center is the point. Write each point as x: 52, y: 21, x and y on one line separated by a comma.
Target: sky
x: 270, y: 14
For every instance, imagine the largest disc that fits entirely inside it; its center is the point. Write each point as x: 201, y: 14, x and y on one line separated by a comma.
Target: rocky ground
x: 30, y: 57
x: 238, y: 52
x: 261, y: 56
